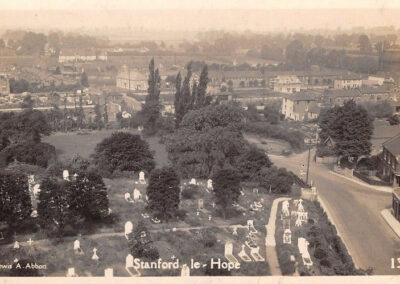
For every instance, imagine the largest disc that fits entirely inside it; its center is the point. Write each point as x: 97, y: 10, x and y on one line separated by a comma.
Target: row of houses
x: 306, y: 105
x: 287, y: 82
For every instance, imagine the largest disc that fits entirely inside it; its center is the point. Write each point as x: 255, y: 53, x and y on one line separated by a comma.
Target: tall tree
x: 27, y: 102
x: 151, y: 108
x: 186, y: 92
x: 98, y: 121
x: 201, y: 99
x: 364, y: 44
x: 163, y: 192
x: 226, y: 184
x: 350, y: 127
x: 15, y: 202
x: 179, y: 110
x: 84, y: 80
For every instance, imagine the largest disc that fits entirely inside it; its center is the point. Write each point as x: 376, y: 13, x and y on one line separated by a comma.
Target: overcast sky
x: 195, y: 4
x: 257, y: 15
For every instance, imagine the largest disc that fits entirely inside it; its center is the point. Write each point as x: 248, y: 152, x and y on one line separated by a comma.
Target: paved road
x: 356, y: 213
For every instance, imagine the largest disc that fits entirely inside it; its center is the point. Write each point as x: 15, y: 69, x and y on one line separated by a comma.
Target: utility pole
x: 308, y: 161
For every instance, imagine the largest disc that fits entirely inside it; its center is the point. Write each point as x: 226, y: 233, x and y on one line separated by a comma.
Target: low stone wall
x: 343, y: 171
x: 326, y: 160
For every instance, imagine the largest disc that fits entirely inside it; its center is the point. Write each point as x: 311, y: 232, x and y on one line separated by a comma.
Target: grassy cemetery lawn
x: 326, y: 250
x: 83, y: 143
x: 197, y: 236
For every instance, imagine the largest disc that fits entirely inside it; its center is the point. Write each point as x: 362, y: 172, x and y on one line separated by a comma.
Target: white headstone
x: 36, y: 189
x: 77, y: 245
x: 193, y: 181
x: 108, y: 272
x: 65, y: 175
x: 141, y: 177
x: 137, y: 195
x: 71, y: 272
x: 128, y: 227
x: 34, y: 214
x: 16, y: 245
x: 129, y: 261
x: 210, y: 184
x: 209, y: 217
x: 185, y: 272
x: 235, y: 233
x: 128, y: 196
x: 228, y: 248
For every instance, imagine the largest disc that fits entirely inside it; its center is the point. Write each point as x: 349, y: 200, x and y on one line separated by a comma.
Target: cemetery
x: 238, y: 239
x: 306, y: 242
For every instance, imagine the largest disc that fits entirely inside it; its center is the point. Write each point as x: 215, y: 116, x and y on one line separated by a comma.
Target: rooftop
x: 342, y: 93
x: 393, y: 145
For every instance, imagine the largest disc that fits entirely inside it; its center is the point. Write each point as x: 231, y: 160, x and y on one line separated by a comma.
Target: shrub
x: 251, y: 161
x: 287, y: 266
x: 279, y: 180
x: 325, y: 262
x: 189, y: 191
x: 209, y: 239
x: 320, y: 253
x: 124, y: 152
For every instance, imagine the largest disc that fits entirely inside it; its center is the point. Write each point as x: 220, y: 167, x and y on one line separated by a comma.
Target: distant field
x: 69, y: 144
x: 272, y: 146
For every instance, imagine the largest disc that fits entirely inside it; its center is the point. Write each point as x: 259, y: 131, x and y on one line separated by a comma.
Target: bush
x: 209, y: 239
x: 279, y: 180
x: 189, y: 191
x: 320, y: 253
x: 251, y: 161
x: 40, y: 154
x: 124, y: 152
x: 287, y: 266
x: 325, y: 262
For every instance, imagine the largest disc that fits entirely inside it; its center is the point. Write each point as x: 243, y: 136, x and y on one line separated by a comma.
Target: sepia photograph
x: 215, y: 141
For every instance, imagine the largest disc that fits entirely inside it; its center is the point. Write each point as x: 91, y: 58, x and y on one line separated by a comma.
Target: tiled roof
x: 374, y: 90
x: 393, y: 145
x: 342, y: 93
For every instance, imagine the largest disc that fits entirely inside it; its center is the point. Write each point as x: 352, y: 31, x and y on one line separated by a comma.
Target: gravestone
x: 128, y: 197
x: 255, y: 191
x: 95, y: 257
x: 137, y: 195
x: 129, y: 261
x: 30, y: 242
x: 235, y: 233
x: 210, y: 184
x: 108, y: 272
x: 185, y: 271
x: 36, y: 190
x: 77, y: 245
x: 287, y: 237
x: 66, y: 175
x: 193, y: 181
x: 71, y: 272
x: 209, y: 217
x: 16, y: 245
x: 200, y: 204
x: 31, y: 182
x: 128, y: 228
x: 142, y: 178
x: 34, y: 214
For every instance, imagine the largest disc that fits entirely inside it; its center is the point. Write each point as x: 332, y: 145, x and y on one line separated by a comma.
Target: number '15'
x: 392, y: 261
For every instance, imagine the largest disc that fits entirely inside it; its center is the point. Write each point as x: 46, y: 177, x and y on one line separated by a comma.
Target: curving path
x: 270, y: 243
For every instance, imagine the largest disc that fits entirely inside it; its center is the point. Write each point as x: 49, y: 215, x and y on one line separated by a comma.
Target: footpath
x: 270, y: 243
x: 360, y: 182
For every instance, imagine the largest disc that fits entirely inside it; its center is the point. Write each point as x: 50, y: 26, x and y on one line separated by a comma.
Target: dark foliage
x: 226, y: 184
x: 141, y: 245
x: 164, y: 193
x: 123, y: 151
x: 15, y: 202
